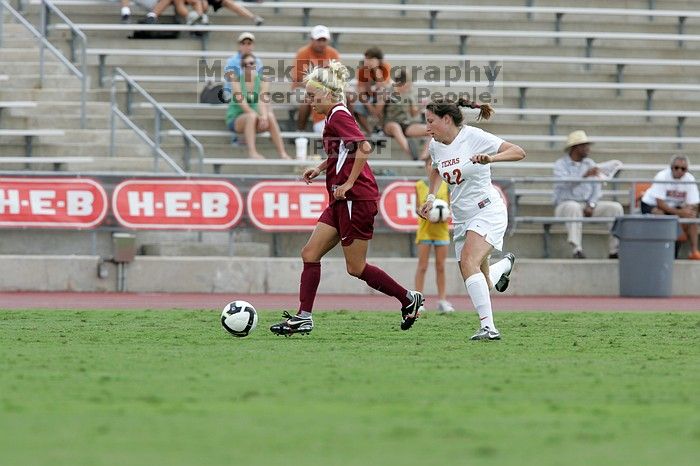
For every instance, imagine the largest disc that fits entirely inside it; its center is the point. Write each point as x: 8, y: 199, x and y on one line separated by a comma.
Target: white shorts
x: 489, y: 223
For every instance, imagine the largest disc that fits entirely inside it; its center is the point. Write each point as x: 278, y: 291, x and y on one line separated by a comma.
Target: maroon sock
x: 310, y: 278
x: 381, y: 281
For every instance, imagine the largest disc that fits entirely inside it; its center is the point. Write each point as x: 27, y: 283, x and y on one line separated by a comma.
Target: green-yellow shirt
x: 234, y: 108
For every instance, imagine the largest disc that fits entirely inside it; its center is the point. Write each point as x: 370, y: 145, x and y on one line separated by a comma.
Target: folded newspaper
x: 608, y: 170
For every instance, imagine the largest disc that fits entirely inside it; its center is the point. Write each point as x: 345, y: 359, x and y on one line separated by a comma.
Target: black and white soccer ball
x: 440, y: 211
x: 239, y: 318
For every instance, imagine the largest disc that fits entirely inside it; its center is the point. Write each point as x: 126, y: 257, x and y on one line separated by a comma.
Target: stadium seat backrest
x: 639, y: 190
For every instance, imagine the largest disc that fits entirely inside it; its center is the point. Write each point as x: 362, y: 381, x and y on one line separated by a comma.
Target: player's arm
x: 364, y: 149
x: 433, y: 187
x: 506, y: 153
x: 312, y: 173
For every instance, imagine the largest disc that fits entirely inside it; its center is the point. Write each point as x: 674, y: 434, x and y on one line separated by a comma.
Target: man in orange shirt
x: 373, y: 77
x: 316, y: 53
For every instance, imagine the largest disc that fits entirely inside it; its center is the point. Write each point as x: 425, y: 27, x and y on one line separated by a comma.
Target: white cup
x: 302, y: 147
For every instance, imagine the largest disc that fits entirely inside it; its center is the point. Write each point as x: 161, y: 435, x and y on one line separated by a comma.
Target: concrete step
x: 240, y: 249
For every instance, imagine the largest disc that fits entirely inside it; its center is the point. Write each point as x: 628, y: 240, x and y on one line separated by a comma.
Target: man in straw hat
x: 577, y: 199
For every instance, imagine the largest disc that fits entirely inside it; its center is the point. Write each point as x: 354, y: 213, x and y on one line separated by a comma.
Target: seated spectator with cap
x: 316, y: 53
x: 668, y: 197
x: 246, y: 44
x: 578, y: 199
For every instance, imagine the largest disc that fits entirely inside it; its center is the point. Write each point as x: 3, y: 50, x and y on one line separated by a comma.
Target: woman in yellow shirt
x: 436, y: 235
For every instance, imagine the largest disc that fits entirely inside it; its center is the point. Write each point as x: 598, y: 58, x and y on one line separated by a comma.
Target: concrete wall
x: 281, y: 275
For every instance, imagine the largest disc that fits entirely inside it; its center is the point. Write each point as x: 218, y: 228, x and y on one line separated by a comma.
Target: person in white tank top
x: 461, y: 156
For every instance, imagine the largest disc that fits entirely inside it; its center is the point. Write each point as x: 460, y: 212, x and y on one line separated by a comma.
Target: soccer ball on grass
x: 239, y: 318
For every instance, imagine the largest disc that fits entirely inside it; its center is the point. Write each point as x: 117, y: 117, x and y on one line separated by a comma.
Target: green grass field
x: 172, y: 388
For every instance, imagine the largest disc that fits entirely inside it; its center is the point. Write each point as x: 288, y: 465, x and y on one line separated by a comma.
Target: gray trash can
x: 647, y: 250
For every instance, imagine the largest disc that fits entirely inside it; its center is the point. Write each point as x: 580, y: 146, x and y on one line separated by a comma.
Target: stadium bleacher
x: 624, y: 74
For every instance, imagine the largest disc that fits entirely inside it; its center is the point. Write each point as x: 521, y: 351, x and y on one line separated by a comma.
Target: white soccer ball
x: 440, y: 211
x: 239, y: 318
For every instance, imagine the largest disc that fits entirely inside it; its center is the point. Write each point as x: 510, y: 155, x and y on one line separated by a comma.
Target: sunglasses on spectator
x: 249, y: 63
x: 678, y: 167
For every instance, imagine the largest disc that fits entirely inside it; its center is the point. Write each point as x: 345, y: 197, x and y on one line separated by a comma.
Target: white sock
x: 478, y: 291
x: 126, y: 11
x: 498, y: 269
x: 305, y: 314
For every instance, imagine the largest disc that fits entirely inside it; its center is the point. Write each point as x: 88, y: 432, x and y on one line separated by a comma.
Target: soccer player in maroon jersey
x: 353, y: 197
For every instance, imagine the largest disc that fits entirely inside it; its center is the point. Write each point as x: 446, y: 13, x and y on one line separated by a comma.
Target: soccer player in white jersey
x: 461, y: 156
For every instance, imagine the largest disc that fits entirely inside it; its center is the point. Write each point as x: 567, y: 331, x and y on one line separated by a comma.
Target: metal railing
x: 159, y: 113
x: 46, y: 10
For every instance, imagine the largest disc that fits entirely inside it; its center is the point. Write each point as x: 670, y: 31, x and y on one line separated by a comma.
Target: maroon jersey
x: 341, y: 138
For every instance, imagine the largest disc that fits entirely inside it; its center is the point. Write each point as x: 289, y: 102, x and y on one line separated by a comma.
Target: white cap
x: 246, y: 35
x: 320, y: 32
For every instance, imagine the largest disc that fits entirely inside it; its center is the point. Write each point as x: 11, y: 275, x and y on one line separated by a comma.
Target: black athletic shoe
x: 410, y: 313
x: 293, y: 324
x: 504, y: 281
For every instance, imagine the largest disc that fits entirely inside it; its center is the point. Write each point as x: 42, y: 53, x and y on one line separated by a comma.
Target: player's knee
x: 308, y: 254
x: 355, y: 269
x: 470, y: 265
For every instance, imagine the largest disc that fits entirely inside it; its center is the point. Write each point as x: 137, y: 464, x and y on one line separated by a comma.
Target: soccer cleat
x: 410, y: 313
x: 485, y: 333
x: 504, y: 281
x: 445, y: 306
x: 293, y: 324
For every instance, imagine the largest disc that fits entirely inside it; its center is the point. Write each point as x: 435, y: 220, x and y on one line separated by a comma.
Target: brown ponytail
x: 485, y: 110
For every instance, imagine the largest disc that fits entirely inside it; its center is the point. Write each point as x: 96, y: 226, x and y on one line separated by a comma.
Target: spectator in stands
x: 436, y: 235
x: 581, y: 198
x: 249, y: 111
x: 240, y: 10
x: 667, y: 197
x: 373, y: 78
x: 246, y: 44
x: 183, y: 13
x: 316, y: 53
x: 399, y: 112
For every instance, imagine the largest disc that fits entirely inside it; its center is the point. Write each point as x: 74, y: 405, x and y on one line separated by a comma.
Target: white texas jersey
x: 469, y: 183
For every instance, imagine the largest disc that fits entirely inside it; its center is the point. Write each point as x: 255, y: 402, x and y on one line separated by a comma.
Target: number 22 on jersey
x: 456, y: 173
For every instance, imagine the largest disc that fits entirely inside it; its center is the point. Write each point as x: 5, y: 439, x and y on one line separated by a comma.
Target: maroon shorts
x: 352, y: 219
